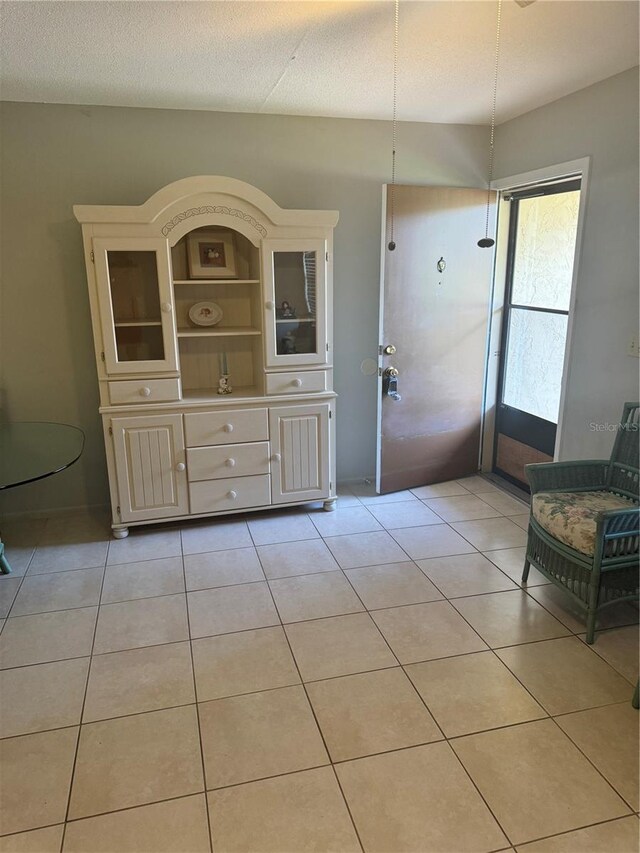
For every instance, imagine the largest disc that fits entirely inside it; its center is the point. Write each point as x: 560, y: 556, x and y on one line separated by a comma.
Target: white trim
x: 383, y: 256
x: 494, y: 336
x: 546, y: 173
x: 578, y: 168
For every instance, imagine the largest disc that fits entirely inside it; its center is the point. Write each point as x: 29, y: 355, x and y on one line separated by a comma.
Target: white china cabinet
x: 212, y: 318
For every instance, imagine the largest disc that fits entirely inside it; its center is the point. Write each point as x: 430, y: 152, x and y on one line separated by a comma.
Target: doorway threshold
x: 506, y: 486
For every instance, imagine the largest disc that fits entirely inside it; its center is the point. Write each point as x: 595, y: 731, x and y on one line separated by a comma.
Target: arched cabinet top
x: 207, y: 200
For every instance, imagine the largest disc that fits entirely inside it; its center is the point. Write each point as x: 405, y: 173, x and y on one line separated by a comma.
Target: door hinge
x: 330, y: 414
x: 327, y: 347
x: 102, y: 356
x: 119, y: 513
x: 326, y: 254
x: 379, y: 371
x: 92, y: 256
x: 110, y: 430
x: 330, y: 485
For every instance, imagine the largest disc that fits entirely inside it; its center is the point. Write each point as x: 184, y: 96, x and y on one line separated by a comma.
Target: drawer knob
x: 166, y: 307
x: 230, y: 462
x: 228, y: 427
x: 145, y: 392
x: 276, y: 457
x: 297, y: 383
x: 269, y: 305
x: 180, y: 466
x: 232, y: 494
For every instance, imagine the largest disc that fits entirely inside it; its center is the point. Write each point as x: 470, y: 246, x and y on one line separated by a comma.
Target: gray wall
x: 54, y: 156
x: 602, y: 122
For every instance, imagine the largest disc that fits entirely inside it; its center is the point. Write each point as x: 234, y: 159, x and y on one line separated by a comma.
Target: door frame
x: 561, y: 171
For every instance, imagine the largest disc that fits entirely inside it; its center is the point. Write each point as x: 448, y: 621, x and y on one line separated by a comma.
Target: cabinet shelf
x: 224, y: 332
x: 296, y: 320
x: 132, y: 323
x: 205, y: 395
x: 217, y: 281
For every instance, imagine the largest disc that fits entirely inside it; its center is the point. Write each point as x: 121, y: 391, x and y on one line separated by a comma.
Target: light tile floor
x: 374, y: 679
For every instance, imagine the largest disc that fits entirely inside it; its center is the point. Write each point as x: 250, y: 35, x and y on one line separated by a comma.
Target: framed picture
x: 211, y: 254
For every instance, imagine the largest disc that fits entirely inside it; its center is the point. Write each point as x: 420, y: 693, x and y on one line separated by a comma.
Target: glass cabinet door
x: 295, y: 290
x: 134, y: 290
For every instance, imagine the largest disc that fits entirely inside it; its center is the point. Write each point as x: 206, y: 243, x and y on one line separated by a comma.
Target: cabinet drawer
x: 144, y: 391
x: 212, y: 463
x: 302, y: 382
x: 226, y: 427
x: 233, y: 493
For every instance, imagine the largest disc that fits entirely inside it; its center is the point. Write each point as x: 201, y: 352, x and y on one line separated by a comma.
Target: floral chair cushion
x: 571, y: 517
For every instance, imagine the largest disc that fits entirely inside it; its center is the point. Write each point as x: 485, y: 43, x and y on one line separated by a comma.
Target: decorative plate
x: 205, y: 313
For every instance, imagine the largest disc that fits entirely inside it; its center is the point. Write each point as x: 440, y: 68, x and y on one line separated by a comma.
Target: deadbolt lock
x: 390, y: 384
x: 389, y: 349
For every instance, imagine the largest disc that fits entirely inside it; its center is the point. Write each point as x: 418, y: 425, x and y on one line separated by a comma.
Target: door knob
x: 166, y: 307
x: 389, y: 349
x: 145, y: 392
x: 230, y: 463
x: 180, y: 466
x: 232, y: 495
x: 392, y: 371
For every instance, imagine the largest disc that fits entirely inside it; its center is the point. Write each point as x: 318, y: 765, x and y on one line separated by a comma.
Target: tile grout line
x: 82, y: 707
x: 312, y: 709
x: 24, y: 575
x: 578, y: 829
x: 195, y: 696
x: 421, y: 698
x: 546, y: 714
x: 571, y: 633
x: 595, y: 767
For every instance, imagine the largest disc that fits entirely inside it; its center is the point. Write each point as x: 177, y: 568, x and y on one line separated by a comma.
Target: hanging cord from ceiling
x: 392, y: 244
x: 487, y: 241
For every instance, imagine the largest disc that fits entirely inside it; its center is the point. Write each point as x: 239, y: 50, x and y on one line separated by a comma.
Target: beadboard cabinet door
x: 300, y: 453
x: 150, y: 467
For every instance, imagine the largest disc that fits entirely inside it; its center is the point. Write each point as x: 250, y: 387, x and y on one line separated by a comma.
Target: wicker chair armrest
x: 619, y: 521
x: 571, y: 476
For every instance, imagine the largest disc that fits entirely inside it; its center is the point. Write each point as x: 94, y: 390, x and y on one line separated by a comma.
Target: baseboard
x: 56, y: 511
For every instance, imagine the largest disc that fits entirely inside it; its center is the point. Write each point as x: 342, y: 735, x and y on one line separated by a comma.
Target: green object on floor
x: 574, y: 539
x: 5, y: 568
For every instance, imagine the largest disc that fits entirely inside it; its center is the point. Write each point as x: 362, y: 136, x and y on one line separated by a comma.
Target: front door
x: 436, y: 289
x: 543, y: 224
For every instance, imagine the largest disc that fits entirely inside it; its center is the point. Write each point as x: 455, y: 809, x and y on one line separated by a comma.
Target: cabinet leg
x: 330, y: 504
x: 120, y: 532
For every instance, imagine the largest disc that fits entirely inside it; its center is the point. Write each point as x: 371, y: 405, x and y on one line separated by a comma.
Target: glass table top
x: 32, y: 450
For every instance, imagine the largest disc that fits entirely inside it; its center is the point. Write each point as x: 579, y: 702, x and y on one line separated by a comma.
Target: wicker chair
x: 584, y: 523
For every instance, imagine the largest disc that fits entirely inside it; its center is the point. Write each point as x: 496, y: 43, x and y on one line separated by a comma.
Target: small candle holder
x: 223, y: 384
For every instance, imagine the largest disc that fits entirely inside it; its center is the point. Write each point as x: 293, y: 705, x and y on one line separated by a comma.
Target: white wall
x: 601, y: 122
x: 54, y: 156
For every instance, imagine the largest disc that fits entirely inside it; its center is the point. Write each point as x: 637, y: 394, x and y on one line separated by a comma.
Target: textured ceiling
x: 313, y: 58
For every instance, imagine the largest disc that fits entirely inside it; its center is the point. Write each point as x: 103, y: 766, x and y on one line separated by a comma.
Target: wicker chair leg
x: 525, y: 571
x: 636, y: 695
x: 591, y: 625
